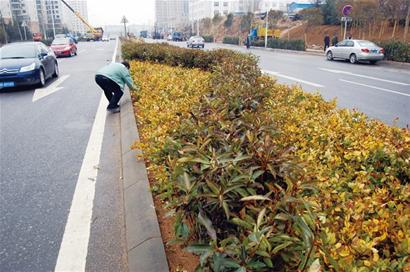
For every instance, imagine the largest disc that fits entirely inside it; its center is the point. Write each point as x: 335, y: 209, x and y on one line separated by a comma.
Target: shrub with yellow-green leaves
x: 235, y: 154
x: 363, y: 171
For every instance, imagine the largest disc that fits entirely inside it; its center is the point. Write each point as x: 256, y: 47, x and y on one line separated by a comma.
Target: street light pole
x: 52, y: 18
x: 266, y: 28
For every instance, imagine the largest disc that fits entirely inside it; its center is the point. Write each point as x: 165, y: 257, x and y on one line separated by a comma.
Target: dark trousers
x: 326, y: 46
x: 111, y: 89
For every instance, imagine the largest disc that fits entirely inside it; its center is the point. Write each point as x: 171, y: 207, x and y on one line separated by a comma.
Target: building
x: 171, y: 15
x: 50, y: 17
x: 71, y: 21
x: 199, y: 9
x: 5, y: 10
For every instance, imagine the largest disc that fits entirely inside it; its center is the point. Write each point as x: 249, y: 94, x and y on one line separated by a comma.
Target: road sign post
x: 346, y: 10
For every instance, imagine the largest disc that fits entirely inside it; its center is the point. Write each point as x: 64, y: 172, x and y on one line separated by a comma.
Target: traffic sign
x: 346, y: 10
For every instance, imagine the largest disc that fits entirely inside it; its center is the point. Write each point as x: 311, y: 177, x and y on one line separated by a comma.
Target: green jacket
x: 118, y: 73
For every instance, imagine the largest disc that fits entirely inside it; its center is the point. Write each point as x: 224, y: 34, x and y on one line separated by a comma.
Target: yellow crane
x: 96, y: 32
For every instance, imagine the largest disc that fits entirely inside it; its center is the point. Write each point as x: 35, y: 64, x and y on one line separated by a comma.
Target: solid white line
x: 293, y: 78
x: 43, y: 92
x: 364, y: 76
x: 74, y: 246
x: 374, y: 87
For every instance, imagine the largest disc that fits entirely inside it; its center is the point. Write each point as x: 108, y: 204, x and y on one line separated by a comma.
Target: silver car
x: 355, y: 51
x: 196, y: 41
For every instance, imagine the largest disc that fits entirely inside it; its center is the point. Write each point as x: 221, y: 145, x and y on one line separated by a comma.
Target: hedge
x: 264, y: 177
x: 298, y: 45
x: 208, y: 38
x: 396, y: 50
x: 231, y: 40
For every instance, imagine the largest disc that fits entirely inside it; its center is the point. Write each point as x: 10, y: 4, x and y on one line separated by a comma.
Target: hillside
x: 313, y: 34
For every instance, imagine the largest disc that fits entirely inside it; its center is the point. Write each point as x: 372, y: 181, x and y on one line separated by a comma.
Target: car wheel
x: 42, y: 78
x: 329, y: 55
x: 76, y: 53
x: 71, y: 54
x: 56, y: 70
x: 203, y: 46
x: 353, y: 58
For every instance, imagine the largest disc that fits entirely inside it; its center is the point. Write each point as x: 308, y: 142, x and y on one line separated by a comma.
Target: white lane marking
x: 74, y: 246
x: 364, y: 76
x: 374, y: 87
x: 293, y: 78
x: 52, y: 88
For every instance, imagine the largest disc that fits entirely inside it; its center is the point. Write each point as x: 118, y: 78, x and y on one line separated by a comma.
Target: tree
x: 229, y: 20
x: 329, y: 12
x: 246, y: 22
x: 407, y: 22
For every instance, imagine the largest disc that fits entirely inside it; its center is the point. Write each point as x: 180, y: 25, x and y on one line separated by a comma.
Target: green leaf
x: 242, y: 223
x: 256, y: 174
x: 260, y: 218
x: 199, y: 249
x: 254, y: 197
x: 208, y: 225
x: 281, y: 246
x: 315, y: 266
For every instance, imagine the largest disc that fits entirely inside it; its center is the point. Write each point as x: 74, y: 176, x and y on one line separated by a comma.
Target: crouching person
x: 112, y: 79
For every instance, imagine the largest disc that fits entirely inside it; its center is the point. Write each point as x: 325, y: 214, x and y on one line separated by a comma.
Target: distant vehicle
x: 105, y: 39
x: 144, y: 34
x: 37, y: 36
x: 62, y: 36
x: 177, y: 37
x: 112, y: 38
x: 95, y: 33
x: 26, y: 63
x: 196, y: 41
x: 169, y: 37
x: 355, y: 51
x: 64, y: 47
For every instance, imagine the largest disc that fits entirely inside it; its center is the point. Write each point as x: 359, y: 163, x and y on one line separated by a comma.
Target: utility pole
x: 124, y: 21
x: 24, y: 25
x: 197, y: 27
x: 52, y: 18
x: 266, y: 28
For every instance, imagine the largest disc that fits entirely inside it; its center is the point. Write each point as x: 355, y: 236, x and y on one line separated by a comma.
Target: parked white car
x: 196, y: 41
x: 355, y: 51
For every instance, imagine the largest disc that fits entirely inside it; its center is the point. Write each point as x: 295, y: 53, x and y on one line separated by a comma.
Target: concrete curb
x: 145, y: 249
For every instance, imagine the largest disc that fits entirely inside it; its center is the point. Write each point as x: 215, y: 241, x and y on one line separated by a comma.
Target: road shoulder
x: 143, y: 237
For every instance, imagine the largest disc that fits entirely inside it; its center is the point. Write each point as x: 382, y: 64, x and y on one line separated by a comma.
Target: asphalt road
x: 42, y: 148
x: 380, y: 91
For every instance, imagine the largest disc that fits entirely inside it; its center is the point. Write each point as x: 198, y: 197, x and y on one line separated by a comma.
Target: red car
x: 64, y: 47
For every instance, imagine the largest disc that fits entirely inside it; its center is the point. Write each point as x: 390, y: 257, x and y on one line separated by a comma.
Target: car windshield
x: 366, y: 43
x: 60, y: 41
x: 18, y: 51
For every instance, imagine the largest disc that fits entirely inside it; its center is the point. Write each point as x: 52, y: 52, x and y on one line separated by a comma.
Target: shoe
x: 114, y: 110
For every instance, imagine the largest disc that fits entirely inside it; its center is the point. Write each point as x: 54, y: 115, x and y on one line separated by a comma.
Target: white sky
x: 110, y: 12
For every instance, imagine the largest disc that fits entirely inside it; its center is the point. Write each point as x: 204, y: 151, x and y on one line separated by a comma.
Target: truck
x: 94, y: 33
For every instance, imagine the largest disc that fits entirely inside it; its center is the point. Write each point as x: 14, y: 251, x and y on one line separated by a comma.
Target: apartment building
x: 199, y: 9
x: 171, y: 14
x: 5, y: 10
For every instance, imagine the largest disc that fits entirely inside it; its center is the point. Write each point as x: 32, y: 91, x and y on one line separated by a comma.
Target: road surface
x: 48, y: 145
x: 380, y: 91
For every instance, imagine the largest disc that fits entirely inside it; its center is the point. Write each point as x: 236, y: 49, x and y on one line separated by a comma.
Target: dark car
x: 26, y: 63
x: 177, y: 37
